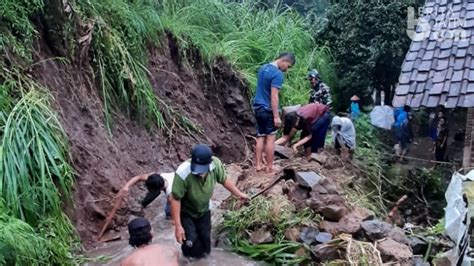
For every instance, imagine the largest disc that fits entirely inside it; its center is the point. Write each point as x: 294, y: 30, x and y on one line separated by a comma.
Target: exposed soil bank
x: 213, y: 97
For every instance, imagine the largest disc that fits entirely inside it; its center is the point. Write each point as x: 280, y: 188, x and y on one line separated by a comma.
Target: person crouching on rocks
x: 313, y: 119
x: 145, y: 253
x: 155, y: 184
x: 344, y: 136
x: 193, y: 187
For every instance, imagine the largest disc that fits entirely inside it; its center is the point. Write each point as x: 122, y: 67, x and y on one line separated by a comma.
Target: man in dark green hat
x: 192, y: 190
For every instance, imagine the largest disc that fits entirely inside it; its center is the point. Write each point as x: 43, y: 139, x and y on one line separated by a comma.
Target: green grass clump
x: 249, y: 36
x: 35, y: 178
x: 33, y: 160
x: 370, y: 158
x: 276, y: 215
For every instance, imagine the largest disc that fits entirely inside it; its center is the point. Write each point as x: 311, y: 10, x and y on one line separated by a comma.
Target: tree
x: 368, y: 40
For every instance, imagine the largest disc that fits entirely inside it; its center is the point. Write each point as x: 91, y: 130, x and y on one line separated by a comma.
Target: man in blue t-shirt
x: 265, y: 105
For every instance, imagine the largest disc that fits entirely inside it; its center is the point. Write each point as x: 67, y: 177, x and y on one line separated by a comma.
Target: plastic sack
x: 382, y: 116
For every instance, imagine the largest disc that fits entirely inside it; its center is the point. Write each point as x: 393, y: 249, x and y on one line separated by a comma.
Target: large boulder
x: 324, y: 252
x: 392, y: 251
x: 330, y: 227
x: 308, y: 179
x: 398, y: 235
x: 376, y: 229
x: 261, y: 236
x: 351, y: 223
x: 276, y: 190
x: 318, y: 201
x: 284, y: 152
x: 298, y: 193
x: 330, y: 186
x: 320, y: 157
x: 308, y: 235
x: 292, y: 234
x: 333, y: 212
x: 323, y: 237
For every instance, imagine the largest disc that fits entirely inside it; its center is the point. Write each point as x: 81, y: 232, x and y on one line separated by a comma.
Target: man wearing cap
x: 146, y: 254
x: 192, y: 190
x: 320, y: 91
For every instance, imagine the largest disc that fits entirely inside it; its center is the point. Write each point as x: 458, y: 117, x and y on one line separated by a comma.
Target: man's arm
x: 342, y: 142
x: 283, y: 140
x: 286, y: 139
x: 275, y: 102
x: 118, y: 200
x: 301, y: 142
x: 134, y: 180
x: 233, y: 189
x: 175, y: 214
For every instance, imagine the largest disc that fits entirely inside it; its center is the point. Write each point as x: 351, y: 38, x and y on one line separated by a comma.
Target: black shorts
x: 198, y: 235
x: 265, y: 124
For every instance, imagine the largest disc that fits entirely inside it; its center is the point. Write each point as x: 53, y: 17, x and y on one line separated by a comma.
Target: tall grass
x: 35, y: 177
x: 249, y: 36
x: 33, y: 160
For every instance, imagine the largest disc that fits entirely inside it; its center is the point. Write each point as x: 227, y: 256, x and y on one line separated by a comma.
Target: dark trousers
x: 198, y: 235
x: 440, y: 154
x: 318, y: 132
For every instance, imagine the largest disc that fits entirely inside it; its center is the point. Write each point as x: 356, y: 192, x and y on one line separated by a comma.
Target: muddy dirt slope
x: 214, y: 97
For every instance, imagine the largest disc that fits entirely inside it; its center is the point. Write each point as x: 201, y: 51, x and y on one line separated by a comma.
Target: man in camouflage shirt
x: 320, y: 92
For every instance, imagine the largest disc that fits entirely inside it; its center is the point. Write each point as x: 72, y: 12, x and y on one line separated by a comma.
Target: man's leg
x: 192, y: 246
x: 269, y: 152
x: 259, y: 153
x: 260, y: 143
x: 203, y: 227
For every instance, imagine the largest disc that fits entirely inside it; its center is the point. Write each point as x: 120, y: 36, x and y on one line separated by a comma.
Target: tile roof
x: 438, y: 68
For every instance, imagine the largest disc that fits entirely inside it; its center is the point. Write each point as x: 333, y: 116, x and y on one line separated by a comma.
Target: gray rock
x: 308, y: 179
x: 392, y: 251
x: 376, y: 229
x: 319, y: 157
x: 261, y: 236
x: 284, y: 152
x: 323, y: 237
x: 398, y: 235
x: 308, y: 235
x: 333, y: 212
x: 324, y: 253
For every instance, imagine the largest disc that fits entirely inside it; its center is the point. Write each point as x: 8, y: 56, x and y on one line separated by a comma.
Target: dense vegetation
x: 36, y: 177
x: 369, y: 42
x: 113, y: 35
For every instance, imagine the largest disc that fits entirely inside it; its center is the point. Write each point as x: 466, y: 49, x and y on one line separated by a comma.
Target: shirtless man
x: 146, y: 254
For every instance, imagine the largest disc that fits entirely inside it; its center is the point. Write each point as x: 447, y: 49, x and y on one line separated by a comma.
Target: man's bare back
x: 152, y: 255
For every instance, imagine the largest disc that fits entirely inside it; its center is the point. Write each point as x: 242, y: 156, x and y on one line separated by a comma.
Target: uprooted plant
x: 274, y: 215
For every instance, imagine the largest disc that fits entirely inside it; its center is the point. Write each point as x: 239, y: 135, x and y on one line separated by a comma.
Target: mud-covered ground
x: 213, y: 97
